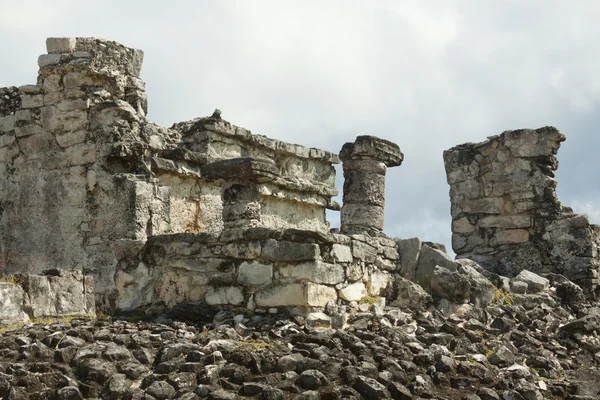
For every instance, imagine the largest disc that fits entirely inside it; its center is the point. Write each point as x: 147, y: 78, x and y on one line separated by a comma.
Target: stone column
x: 365, y: 162
x: 241, y: 178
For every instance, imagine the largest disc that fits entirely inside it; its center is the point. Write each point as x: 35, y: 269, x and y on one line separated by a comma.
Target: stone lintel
x: 241, y: 169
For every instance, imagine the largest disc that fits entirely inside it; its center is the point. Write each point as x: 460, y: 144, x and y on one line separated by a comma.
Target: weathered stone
x: 535, y: 283
x: 341, y: 253
x: 224, y: 295
x: 60, y: 45
x: 529, y: 227
x: 295, y: 294
x: 365, y: 163
x: 409, y: 250
x: 318, y: 320
x: 353, y: 292
x: 317, y: 272
x: 48, y: 59
x: 11, y: 298
x: 290, y: 251
x: 402, y: 292
x: 255, y: 274
x: 429, y: 258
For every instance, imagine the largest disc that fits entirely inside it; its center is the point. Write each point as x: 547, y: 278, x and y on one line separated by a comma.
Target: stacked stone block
x: 365, y: 162
x: 256, y: 268
x: 82, y: 168
x: 505, y: 212
x: 54, y: 294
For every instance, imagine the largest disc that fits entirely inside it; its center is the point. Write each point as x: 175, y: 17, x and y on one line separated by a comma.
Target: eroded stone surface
x: 506, y: 214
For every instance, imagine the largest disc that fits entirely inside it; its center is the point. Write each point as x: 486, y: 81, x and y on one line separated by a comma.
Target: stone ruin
x: 505, y: 212
x: 207, y: 212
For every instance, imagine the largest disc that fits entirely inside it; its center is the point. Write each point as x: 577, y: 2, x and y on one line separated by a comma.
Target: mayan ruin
x: 117, y: 235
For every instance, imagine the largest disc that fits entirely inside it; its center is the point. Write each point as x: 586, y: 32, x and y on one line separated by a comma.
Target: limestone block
x: 131, y: 283
x: 449, y: 285
x: 510, y: 236
x: 295, y: 294
x: 409, y: 250
x: 518, y: 287
x: 11, y: 299
x: 314, y: 271
x: 254, y: 274
x: 372, y: 148
x: 60, y: 45
x: 89, y: 292
x: 493, y: 205
x: 362, y: 215
x: 505, y: 221
x: 48, y: 59
x: 482, y: 291
x: 224, y: 295
x: 6, y: 140
x: 429, y: 258
x: 71, y: 138
x: 73, y: 104
x: 353, y: 292
x: 318, y: 320
x: 378, y: 282
x: 462, y: 225
x: 364, y: 187
x: 341, y: 253
x: 32, y: 101
x: 405, y: 293
x: 69, y: 293
x: 290, y: 251
x: 363, y: 251
x: 242, y: 250
x: 535, y: 283
x: 56, y: 295
x: 27, y: 129
x: 245, y: 169
x: 7, y: 123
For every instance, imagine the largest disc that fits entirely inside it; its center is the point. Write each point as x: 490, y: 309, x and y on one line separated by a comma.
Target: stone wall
x: 54, y: 294
x: 505, y: 212
x: 82, y: 167
x: 254, y: 268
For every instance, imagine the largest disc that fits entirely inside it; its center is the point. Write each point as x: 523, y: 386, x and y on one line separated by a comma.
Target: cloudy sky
x: 425, y: 74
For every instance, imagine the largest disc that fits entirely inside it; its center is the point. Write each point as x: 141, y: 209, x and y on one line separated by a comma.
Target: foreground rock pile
x: 522, y: 346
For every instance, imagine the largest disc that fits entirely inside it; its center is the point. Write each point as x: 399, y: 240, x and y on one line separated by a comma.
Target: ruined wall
x: 54, y: 294
x: 255, y: 268
x: 82, y: 167
x: 70, y: 150
x: 505, y: 212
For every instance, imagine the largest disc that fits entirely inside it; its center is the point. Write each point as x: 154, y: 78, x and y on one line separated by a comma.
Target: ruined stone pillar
x: 365, y: 163
x: 241, y: 178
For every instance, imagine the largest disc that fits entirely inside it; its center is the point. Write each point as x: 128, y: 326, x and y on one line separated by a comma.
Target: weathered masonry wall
x: 255, y: 268
x: 82, y: 167
x: 54, y: 294
x: 505, y: 212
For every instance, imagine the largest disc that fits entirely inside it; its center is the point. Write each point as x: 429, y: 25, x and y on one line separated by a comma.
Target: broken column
x: 365, y: 162
x: 240, y: 188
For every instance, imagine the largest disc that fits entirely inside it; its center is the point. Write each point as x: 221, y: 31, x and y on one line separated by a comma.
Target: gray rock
x: 535, y: 283
x: 161, y: 390
x: 429, y: 258
x: 501, y: 357
x: 370, y: 388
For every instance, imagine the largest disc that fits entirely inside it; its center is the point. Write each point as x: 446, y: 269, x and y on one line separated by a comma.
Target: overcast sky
x: 427, y: 75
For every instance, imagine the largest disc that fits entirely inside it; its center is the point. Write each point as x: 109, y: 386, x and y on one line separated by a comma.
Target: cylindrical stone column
x: 365, y: 163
